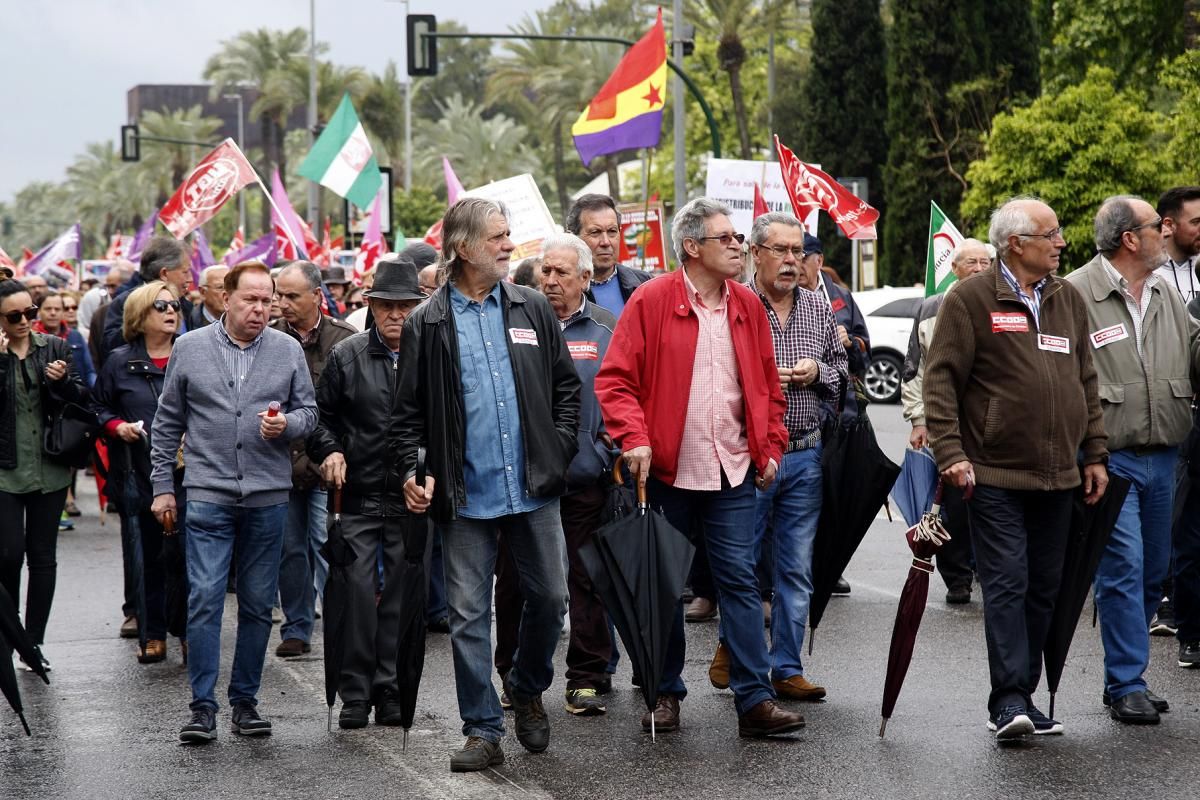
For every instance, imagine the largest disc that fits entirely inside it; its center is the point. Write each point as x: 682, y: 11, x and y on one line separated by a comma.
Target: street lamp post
x: 313, y: 197
x: 241, y: 145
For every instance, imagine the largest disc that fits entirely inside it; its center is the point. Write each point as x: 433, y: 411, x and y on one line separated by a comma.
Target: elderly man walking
x: 1011, y: 402
x: 690, y: 393
x: 595, y: 220
x: 1146, y: 350
x: 302, y: 571
x: 239, y: 392
x: 488, y: 388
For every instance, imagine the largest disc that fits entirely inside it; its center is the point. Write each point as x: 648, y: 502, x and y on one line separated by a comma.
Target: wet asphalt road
x: 106, y: 727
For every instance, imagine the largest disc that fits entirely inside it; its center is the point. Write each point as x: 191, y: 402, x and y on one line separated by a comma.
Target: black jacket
x: 628, y: 279
x: 115, y: 318
x: 430, y: 410
x: 127, y: 389
x: 356, y: 396
x: 42, y: 350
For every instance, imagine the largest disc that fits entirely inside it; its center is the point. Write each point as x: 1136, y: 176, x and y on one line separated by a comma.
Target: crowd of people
x: 493, y: 400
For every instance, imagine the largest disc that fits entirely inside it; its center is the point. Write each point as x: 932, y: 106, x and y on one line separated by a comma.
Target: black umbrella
x: 639, y: 564
x: 14, y: 637
x: 410, y: 655
x: 1091, y: 527
x: 856, y: 478
x: 131, y: 504
x: 175, y: 569
x: 338, y: 553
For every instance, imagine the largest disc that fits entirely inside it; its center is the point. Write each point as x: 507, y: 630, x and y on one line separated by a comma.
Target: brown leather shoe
x: 718, y: 670
x: 290, y: 648
x: 768, y: 719
x: 666, y: 715
x: 797, y: 687
x: 700, y: 610
x: 155, y: 651
x: 129, y: 628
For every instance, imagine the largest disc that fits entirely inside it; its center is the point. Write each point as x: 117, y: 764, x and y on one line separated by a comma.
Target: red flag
x: 433, y: 236
x: 808, y: 186
x: 373, y: 244
x: 239, y: 240
x: 218, y: 177
x: 760, y: 205
x: 6, y: 261
x: 326, y: 248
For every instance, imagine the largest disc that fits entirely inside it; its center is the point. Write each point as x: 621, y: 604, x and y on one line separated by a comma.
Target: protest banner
x: 528, y: 216
x: 643, y: 244
x: 732, y: 182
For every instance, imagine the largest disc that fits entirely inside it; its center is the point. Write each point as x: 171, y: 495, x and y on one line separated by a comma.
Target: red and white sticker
x: 523, y: 336
x: 1007, y: 322
x: 1055, y: 344
x: 584, y: 351
x: 1113, y: 333
x: 837, y: 305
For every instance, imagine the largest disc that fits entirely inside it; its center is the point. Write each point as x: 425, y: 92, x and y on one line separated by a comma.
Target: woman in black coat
x: 125, y: 399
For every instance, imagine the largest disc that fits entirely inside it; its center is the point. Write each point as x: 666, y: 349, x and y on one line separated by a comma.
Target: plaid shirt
x: 811, y: 332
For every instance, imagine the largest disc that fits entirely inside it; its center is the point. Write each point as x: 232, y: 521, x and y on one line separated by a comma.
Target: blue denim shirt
x: 493, y: 420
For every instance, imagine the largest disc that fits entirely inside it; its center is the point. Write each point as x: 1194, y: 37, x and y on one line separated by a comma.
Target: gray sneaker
x: 247, y: 722
x: 476, y: 755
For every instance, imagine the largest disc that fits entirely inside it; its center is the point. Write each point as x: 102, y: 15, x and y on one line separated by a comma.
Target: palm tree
x: 382, y: 113
x: 482, y: 150
x: 164, y: 166
x: 108, y: 194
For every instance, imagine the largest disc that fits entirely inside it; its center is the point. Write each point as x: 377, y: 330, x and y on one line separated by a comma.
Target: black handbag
x: 70, y: 436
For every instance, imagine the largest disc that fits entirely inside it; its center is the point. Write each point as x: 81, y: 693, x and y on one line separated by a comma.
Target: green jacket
x: 1146, y: 403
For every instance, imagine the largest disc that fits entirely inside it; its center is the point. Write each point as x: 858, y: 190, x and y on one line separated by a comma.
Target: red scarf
x: 63, y: 329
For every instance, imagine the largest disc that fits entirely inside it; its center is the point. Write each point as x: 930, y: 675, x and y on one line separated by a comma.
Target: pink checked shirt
x: 714, y: 431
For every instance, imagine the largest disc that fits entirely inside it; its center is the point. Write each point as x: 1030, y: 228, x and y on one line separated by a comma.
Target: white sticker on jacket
x: 1055, y: 344
x: 1113, y: 333
x: 523, y: 336
x: 584, y: 351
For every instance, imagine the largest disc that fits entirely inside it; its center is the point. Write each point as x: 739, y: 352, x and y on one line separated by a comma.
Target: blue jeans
x: 791, y: 505
x: 1129, y: 580
x: 215, y: 533
x: 302, y: 571
x: 727, y: 519
x: 435, y: 606
x: 469, y: 550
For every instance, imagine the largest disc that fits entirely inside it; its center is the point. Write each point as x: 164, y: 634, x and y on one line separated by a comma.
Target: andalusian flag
x: 627, y: 112
x: 943, y: 238
x: 342, y: 159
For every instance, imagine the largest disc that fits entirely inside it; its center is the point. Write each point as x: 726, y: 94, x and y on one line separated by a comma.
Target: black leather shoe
x: 355, y: 714
x: 387, y: 708
x: 1160, y: 705
x: 1134, y: 708
x: 476, y: 755
x: 247, y: 722
x: 202, y: 729
x: 530, y: 724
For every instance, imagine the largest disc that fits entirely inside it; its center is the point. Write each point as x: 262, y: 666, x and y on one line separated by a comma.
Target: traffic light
x: 6, y: 226
x: 131, y: 146
x: 422, y: 49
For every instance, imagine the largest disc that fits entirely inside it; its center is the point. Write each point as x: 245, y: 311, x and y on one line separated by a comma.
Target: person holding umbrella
x: 1146, y: 348
x: 356, y: 395
x: 690, y: 392
x: 125, y: 399
x: 1011, y: 403
x: 489, y: 389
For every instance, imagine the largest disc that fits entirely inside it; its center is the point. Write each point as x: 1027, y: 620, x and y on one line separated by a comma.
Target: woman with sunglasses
x: 125, y: 399
x: 36, y: 377
x: 53, y: 320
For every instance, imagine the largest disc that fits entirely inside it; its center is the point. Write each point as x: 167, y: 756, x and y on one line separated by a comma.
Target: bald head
x: 427, y: 279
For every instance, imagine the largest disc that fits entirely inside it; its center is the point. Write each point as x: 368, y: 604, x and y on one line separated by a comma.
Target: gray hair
x: 1010, y: 219
x: 310, y: 271
x: 207, y: 271
x: 466, y: 224
x: 763, y: 223
x: 1115, y: 217
x: 688, y: 222
x: 963, y: 246
x: 569, y: 241
x: 163, y: 252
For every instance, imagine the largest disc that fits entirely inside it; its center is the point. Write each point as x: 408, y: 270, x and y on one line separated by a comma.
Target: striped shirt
x: 1182, y: 275
x: 1034, y: 302
x: 810, y: 332
x: 1137, y: 310
x: 237, y: 359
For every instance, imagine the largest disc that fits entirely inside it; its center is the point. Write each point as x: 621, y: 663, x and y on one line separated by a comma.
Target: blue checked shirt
x: 1034, y: 303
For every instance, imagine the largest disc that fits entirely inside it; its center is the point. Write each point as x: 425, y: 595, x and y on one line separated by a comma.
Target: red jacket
x: 644, y: 382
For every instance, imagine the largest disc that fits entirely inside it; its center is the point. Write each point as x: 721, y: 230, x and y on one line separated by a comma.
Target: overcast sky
x: 67, y: 64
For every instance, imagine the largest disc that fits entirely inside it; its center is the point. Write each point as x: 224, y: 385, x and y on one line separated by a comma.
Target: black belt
x: 808, y: 440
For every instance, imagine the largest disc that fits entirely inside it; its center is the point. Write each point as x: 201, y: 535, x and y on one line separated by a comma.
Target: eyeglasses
x: 725, y: 238
x: 1156, y: 224
x: 13, y: 317
x: 71, y: 307
x: 1049, y: 236
x: 161, y: 306
x: 354, y: 306
x: 781, y: 251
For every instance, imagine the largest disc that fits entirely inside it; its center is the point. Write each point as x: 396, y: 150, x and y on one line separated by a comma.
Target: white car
x: 889, y: 313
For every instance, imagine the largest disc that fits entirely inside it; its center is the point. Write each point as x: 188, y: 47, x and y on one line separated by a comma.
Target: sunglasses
x: 354, y: 306
x: 161, y: 306
x: 71, y: 308
x: 13, y: 317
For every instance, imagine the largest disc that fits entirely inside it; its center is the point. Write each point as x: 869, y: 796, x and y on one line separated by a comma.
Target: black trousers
x: 1020, y: 540
x: 29, y: 532
x: 1187, y: 569
x: 953, y: 558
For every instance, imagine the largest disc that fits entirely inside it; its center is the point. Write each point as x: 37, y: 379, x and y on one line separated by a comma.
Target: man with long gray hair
x: 489, y: 390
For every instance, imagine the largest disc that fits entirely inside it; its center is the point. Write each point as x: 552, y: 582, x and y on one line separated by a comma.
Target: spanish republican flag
x: 627, y: 111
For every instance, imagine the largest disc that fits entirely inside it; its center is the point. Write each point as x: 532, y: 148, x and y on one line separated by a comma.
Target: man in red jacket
x: 690, y: 393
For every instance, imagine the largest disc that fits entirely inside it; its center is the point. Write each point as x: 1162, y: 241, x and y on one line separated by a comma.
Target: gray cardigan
x: 227, y: 461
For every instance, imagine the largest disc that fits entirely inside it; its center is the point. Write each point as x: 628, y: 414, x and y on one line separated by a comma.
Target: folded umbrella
x: 1091, y: 527
x: 638, y: 565
x: 410, y: 655
x: 13, y: 637
x: 175, y: 577
x: 338, y: 553
x: 915, y: 485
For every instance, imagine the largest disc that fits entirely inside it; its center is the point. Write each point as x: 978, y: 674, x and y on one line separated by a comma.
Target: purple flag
x: 287, y: 225
x: 201, y: 255
x: 142, y: 237
x: 52, y: 260
x: 261, y: 249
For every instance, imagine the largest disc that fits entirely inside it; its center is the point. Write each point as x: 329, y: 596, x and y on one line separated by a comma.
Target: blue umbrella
x: 913, y: 490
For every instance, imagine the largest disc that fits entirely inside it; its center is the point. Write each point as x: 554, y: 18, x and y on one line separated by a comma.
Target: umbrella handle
x: 420, y: 476
x: 168, y: 523
x: 337, y: 501
x: 619, y: 478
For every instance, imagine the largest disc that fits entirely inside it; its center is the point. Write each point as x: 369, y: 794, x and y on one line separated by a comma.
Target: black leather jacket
x: 430, y: 410
x: 356, y: 395
x: 42, y: 350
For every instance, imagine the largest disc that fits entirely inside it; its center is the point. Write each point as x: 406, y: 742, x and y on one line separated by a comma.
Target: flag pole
x: 286, y: 228
x: 646, y: 199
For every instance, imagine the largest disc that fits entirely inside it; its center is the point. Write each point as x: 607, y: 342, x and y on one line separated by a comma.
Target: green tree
x: 382, y: 114
x: 164, y: 165
x: 462, y: 70
x: 1131, y: 37
x: 1072, y: 149
x: 108, y: 194
x: 1181, y: 77
x: 481, y: 149
x: 413, y: 212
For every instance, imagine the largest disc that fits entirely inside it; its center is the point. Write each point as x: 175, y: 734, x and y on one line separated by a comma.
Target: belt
x: 808, y: 440
x: 1148, y: 450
